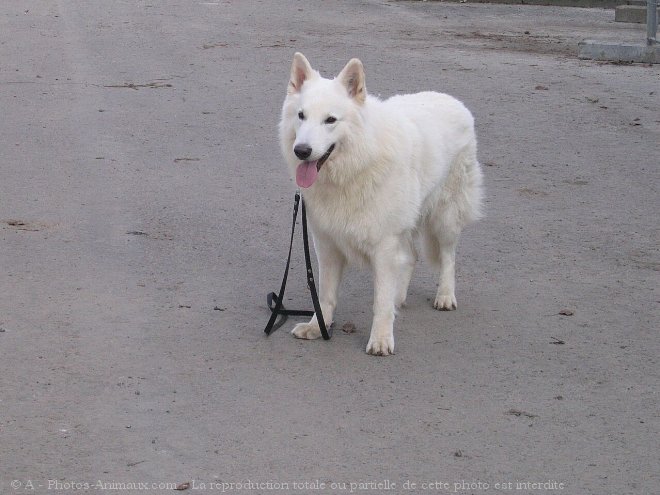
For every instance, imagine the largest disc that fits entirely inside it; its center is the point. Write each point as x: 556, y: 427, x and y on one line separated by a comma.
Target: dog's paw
x: 307, y: 331
x: 381, y: 346
x: 445, y: 302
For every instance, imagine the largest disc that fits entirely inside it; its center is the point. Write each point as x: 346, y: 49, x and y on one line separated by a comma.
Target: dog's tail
x: 474, y: 190
x: 463, y: 188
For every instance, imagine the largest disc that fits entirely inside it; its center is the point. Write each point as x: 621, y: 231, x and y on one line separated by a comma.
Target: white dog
x: 375, y: 175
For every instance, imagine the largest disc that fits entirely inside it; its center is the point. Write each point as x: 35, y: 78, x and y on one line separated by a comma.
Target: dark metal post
x: 651, y: 22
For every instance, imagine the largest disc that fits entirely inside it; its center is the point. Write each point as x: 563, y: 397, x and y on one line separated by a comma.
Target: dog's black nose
x: 302, y: 151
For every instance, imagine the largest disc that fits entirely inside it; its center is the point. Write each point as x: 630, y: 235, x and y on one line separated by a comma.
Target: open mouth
x: 307, y: 172
x: 325, y: 156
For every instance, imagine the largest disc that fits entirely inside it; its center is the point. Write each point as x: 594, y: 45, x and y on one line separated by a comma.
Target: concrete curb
x: 619, y: 52
x: 603, y: 4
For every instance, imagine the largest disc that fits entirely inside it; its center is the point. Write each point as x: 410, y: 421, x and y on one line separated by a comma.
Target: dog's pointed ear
x: 300, y: 72
x: 352, y: 77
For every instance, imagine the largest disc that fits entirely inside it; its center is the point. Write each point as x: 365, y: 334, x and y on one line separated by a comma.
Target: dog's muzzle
x: 304, y: 151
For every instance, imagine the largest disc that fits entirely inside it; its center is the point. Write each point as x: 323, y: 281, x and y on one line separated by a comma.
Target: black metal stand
x: 275, y: 300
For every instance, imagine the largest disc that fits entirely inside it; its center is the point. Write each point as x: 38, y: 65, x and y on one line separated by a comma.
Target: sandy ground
x: 144, y: 215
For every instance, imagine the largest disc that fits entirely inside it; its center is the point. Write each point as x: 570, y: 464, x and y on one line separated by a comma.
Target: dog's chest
x: 354, y: 229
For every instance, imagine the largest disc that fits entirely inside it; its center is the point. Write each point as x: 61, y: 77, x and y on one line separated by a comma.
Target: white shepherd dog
x: 376, y: 174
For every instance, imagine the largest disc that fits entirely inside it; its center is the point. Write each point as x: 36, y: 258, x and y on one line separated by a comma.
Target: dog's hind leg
x: 440, y: 231
x: 331, y: 268
x: 407, y: 265
x: 445, y: 298
x: 457, y: 205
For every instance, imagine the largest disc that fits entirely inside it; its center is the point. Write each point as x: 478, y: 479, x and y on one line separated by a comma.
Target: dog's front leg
x: 331, y: 268
x: 386, y: 267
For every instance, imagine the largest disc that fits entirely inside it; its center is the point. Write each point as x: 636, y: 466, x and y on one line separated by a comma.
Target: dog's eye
x: 301, y: 115
x: 330, y: 120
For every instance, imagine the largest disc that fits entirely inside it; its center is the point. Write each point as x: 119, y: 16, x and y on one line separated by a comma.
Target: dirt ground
x: 144, y: 215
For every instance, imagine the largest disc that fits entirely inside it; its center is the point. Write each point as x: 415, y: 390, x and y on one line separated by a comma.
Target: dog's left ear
x: 352, y: 77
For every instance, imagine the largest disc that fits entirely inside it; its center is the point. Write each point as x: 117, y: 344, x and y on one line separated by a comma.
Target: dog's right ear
x: 300, y: 72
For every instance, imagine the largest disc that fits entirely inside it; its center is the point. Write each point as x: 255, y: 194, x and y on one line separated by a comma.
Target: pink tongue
x: 306, y: 173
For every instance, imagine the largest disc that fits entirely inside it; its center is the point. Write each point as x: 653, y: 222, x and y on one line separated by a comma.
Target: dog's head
x: 319, y: 118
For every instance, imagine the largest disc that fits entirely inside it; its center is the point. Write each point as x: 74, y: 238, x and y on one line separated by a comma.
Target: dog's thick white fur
x: 376, y: 174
